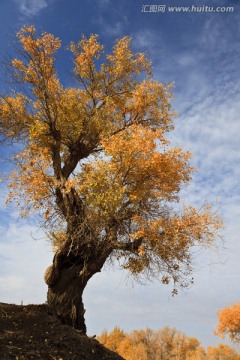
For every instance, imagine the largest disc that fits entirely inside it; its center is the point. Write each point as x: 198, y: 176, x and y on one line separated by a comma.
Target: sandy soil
x: 32, y: 332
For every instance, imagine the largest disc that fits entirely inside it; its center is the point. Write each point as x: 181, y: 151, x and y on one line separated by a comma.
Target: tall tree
x: 96, y: 164
x: 229, y: 322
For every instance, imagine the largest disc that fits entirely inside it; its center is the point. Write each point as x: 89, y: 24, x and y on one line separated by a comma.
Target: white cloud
x: 30, y: 8
x: 114, y: 29
x: 109, y: 302
x: 145, y: 39
x: 103, y: 2
x: 23, y: 262
x: 153, y: 44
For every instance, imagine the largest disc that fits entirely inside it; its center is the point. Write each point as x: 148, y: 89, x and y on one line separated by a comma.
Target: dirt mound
x: 32, y: 332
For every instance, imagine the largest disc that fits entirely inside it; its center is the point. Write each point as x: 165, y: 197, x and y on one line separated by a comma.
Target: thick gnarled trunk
x: 67, y: 278
x: 65, y: 296
x: 75, y: 262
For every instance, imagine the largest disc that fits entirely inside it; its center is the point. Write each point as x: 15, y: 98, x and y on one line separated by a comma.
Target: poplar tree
x: 94, y: 161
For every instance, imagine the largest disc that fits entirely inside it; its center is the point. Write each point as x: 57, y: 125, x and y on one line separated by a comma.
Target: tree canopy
x: 229, y: 322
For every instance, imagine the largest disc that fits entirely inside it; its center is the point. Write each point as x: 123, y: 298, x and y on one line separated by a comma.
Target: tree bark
x: 67, y: 278
x: 76, y: 261
x: 64, y: 296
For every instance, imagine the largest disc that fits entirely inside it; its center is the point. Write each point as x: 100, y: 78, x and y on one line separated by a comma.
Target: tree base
x: 65, y: 297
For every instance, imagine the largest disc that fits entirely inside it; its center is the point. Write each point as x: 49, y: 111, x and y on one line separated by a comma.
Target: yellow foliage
x: 147, y: 344
x: 162, y: 344
x: 229, y: 322
x: 222, y: 352
x: 96, y: 156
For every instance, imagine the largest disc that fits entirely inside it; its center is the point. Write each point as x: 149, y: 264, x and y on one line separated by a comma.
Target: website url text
x: 187, y: 9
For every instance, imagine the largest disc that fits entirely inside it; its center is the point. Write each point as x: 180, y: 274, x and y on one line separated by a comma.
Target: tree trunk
x: 65, y: 296
x: 66, y: 280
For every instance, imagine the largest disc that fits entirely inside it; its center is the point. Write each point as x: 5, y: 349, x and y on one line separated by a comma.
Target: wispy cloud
x: 146, y: 39
x: 24, y: 261
x: 153, y: 43
x: 115, y: 30
x: 30, y: 8
x: 103, y: 2
x: 111, y: 29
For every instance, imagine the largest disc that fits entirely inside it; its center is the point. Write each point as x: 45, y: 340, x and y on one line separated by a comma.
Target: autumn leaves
x: 99, y: 150
x: 229, y: 322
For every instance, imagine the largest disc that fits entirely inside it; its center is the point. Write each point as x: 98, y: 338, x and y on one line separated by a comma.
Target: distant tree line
x: 165, y: 344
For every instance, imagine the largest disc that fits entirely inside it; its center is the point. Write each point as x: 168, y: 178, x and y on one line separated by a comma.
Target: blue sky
x: 199, y: 51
